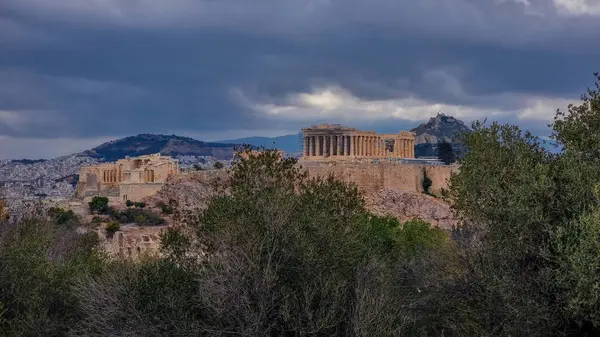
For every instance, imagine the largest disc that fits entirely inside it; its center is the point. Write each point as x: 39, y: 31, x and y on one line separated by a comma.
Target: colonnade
x: 110, y: 176
x: 358, y: 145
x: 149, y: 176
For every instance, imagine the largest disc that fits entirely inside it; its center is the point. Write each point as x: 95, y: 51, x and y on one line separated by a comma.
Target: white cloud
x: 541, y: 108
x: 578, y: 7
x: 11, y: 118
x: 336, y: 104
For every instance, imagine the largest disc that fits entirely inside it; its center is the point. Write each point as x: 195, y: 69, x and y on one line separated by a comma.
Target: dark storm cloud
x: 83, y: 69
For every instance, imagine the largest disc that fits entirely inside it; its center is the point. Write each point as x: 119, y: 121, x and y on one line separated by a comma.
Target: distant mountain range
x: 169, y: 145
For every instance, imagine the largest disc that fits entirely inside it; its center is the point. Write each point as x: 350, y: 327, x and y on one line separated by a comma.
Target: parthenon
x: 334, y: 141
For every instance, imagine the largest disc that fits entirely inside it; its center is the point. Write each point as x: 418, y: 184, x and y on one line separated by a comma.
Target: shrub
x: 99, y: 205
x: 139, y: 216
x: 129, y: 203
x: 140, y: 204
x: 39, y: 263
x: 218, y: 165
x: 140, y: 219
x: 167, y: 209
x: 112, y: 227
x: 61, y: 216
x: 96, y: 219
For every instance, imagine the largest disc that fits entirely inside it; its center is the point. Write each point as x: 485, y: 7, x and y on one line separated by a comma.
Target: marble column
x: 331, y: 139
x: 305, y: 146
x: 358, y: 146
x: 372, y: 141
x: 351, y: 149
x: 318, y: 145
x: 362, y: 145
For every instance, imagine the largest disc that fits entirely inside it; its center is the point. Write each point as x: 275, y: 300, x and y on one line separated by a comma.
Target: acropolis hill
x: 347, y: 153
x: 381, y: 165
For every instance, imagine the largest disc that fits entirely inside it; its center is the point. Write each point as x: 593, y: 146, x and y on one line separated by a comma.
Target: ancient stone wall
x: 372, y: 177
x: 90, y: 181
x: 136, y: 192
x: 132, y: 241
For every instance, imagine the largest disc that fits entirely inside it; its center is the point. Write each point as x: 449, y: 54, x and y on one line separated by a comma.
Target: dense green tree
x: 445, y: 153
x: 99, y: 205
x: 39, y: 263
x: 277, y: 254
x: 526, y: 238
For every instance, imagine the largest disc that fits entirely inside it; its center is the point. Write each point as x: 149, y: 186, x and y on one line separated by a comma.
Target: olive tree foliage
x: 285, y: 251
x: 527, y: 219
x: 40, y: 261
x: 276, y: 254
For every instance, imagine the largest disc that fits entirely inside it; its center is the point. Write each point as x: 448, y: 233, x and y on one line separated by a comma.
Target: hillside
x: 169, y: 145
x: 288, y: 143
x: 438, y: 129
x: 31, y: 180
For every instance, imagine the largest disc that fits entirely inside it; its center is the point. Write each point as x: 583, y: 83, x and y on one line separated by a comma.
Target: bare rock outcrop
x: 190, y: 191
x: 408, y: 205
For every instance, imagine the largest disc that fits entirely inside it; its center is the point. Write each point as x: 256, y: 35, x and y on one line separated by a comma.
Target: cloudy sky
x: 76, y: 73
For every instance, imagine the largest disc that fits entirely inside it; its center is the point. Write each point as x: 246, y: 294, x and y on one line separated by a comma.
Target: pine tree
x: 446, y: 153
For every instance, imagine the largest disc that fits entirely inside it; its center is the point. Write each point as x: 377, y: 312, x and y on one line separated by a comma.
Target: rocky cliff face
x: 438, y: 129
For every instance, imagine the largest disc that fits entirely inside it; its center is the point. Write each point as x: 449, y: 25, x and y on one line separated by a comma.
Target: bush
x: 61, y: 216
x: 139, y: 204
x: 139, y: 216
x: 292, y: 249
x: 39, y: 263
x: 99, y: 205
x: 96, y: 219
x: 218, y: 165
x: 129, y: 203
x: 167, y: 209
x: 112, y: 227
x: 140, y: 219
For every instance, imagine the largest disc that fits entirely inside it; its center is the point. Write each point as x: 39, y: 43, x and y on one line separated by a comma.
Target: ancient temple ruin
x: 334, y: 141
x: 127, y: 179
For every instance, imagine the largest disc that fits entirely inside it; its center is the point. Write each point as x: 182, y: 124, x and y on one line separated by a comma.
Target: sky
x: 77, y: 73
